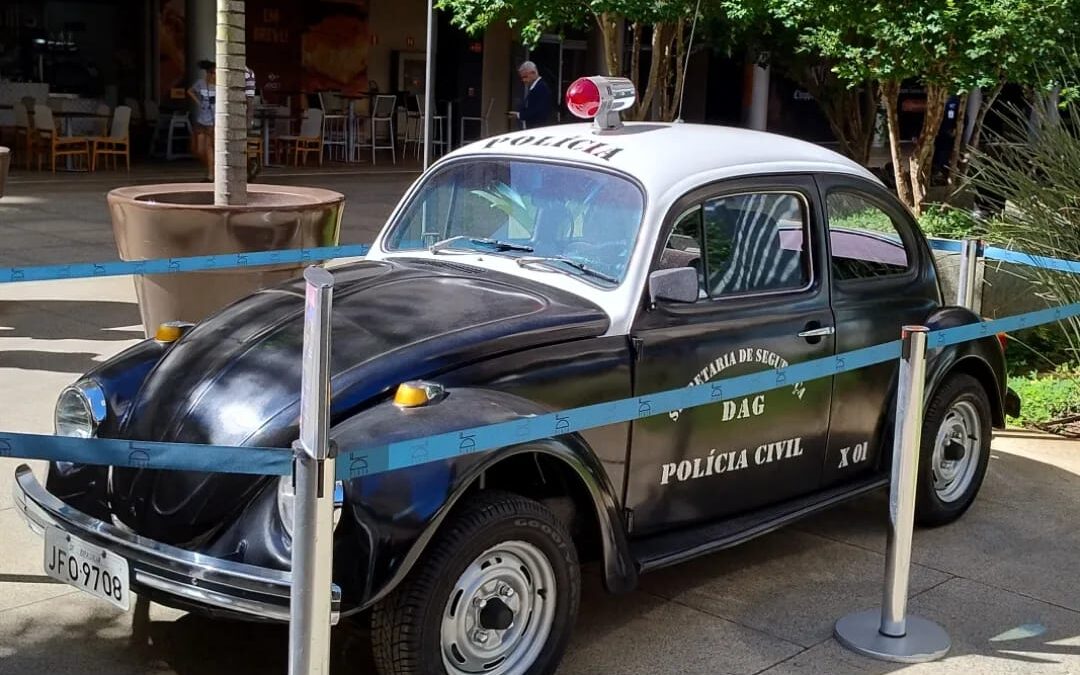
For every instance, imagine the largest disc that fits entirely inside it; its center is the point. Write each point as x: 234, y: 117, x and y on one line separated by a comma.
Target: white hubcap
x: 956, y: 451
x: 500, y: 612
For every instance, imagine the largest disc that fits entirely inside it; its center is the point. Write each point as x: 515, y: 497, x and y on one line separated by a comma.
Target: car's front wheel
x: 955, y: 450
x: 496, y: 592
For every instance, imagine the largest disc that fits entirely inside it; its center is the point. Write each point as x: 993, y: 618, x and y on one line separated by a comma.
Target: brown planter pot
x: 5, y: 165
x: 177, y: 220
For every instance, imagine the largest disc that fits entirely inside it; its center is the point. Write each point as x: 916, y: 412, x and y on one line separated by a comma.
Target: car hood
x: 235, y: 378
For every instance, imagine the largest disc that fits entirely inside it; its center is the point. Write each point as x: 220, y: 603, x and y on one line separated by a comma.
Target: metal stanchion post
x: 969, y: 263
x: 313, y: 473
x: 890, y: 634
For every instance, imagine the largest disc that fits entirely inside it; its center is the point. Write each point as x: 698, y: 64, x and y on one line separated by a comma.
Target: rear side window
x: 866, y: 242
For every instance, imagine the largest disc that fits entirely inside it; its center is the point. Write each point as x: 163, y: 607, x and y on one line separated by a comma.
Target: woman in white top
x: 203, y: 93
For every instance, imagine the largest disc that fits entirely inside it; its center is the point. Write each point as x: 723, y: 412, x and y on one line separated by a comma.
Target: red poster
x: 335, y: 47
x: 172, y: 51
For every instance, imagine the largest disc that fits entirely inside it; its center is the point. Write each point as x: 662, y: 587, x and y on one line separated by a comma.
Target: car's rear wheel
x: 496, y: 593
x: 955, y: 450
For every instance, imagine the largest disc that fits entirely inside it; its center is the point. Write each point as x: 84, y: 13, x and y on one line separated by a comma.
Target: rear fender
x: 391, y: 517
x: 983, y: 359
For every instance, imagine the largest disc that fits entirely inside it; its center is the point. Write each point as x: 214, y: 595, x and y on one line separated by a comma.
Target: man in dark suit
x: 535, y: 110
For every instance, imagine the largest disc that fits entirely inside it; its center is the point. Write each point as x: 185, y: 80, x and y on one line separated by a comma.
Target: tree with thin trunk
x: 944, y: 45
x: 1024, y: 47
x: 230, y: 123
x: 662, y: 25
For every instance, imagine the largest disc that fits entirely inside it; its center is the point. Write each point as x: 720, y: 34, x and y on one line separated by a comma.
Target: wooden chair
x: 117, y: 143
x: 308, y: 141
x: 49, y: 139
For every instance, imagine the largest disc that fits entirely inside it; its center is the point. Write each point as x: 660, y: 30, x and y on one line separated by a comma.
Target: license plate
x: 87, y: 567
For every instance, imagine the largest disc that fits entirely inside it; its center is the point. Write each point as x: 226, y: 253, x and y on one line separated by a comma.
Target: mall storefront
x: 117, y: 51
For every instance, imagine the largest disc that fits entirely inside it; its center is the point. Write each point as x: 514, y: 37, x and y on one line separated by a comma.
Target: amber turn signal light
x: 416, y: 393
x: 169, y: 332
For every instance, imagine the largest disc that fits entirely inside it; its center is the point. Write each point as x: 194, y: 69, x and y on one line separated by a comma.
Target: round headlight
x: 79, y: 410
x: 286, y: 502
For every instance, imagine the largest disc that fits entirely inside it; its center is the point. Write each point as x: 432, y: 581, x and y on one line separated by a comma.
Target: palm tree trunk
x: 230, y: 123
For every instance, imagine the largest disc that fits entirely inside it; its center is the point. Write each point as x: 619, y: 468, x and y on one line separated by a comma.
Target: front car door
x: 882, y: 279
x: 759, y: 251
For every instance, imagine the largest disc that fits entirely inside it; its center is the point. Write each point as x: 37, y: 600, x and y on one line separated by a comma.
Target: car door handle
x: 817, y: 332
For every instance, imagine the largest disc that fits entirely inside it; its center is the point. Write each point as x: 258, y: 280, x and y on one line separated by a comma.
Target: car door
x: 758, y: 247
x: 882, y: 278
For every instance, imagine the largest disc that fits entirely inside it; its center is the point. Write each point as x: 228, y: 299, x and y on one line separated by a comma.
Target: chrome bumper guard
x: 198, y: 579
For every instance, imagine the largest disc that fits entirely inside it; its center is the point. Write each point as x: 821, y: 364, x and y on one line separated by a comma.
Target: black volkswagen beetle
x: 525, y: 274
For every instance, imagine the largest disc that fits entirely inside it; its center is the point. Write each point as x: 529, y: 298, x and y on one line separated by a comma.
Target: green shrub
x: 1042, y: 349
x: 942, y: 221
x: 1046, y: 397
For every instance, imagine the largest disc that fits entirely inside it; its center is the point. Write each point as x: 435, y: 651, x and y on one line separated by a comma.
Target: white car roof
x: 664, y: 155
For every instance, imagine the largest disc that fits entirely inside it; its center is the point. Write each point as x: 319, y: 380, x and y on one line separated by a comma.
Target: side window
x: 755, y: 243
x: 748, y: 243
x: 684, y: 246
x: 866, y: 243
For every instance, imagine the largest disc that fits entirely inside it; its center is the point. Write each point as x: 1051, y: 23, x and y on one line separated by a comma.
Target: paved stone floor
x: 47, y: 219
x: 1004, y: 580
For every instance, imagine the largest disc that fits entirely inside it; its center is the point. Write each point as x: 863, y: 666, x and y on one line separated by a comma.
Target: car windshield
x: 552, y: 217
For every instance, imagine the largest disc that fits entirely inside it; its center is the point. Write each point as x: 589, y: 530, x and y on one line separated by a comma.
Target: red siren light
x: 583, y: 98
x: 601, y: 99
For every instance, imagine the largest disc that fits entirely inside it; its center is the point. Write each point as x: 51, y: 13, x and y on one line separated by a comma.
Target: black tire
x: 406, y: 625
x: 957, y: 391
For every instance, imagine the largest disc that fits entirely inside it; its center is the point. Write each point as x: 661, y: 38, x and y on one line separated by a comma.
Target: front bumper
x: 193, y: 579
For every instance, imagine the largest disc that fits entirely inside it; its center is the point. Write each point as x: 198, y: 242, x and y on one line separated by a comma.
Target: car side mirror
x: 679, y: 284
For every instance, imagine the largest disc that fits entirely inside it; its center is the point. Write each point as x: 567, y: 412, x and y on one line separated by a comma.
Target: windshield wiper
x: 569, y: 262
x: 496, y: 244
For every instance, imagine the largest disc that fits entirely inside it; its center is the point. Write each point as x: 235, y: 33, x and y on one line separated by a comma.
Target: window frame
x: 902, y: 221
x: 697, y: 198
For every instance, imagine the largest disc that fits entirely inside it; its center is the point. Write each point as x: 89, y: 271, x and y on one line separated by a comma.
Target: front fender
x: 389, y: 518
x: 84, y: 486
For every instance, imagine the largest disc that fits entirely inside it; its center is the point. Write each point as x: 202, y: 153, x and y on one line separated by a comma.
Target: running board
x: 661, y: 550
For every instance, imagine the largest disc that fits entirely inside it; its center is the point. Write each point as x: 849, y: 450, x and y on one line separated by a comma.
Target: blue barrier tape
x: 1005, y: 255
x: 305, y: 255
x: 1057, y: 264
x: 221, y: 261
x: 404, y: 454
x: 147, y: 454
x: 975, y: 331
x: 948, y: 245
x: 277, y: 461
x: 407, y: 453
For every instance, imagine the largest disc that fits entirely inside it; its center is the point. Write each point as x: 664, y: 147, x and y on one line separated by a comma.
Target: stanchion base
x: 925, y: 640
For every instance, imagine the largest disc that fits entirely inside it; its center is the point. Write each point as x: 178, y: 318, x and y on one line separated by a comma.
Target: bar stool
x: 382, y: 114
x: 359, y: 126
x: 438, y: 123
x: 482, y: 120
x: 335, y: 126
